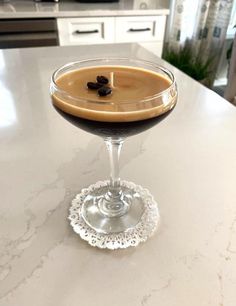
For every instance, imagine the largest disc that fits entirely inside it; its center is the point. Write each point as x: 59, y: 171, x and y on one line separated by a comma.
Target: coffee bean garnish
x: 104, y: 91
x: 93, y: 85
x: 102, y: 79
x: 100, y: 86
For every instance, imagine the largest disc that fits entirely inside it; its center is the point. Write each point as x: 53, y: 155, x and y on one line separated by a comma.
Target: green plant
x: 188, y: 63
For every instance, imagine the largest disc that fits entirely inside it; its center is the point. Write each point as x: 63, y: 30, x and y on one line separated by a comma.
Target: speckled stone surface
x: 187, y: 162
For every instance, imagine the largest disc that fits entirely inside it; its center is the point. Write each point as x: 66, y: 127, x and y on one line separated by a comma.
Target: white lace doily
x: 131, y: 237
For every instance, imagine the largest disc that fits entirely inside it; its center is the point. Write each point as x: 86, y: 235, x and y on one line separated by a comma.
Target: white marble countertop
x: 187, y: 162
x: 30, y: 9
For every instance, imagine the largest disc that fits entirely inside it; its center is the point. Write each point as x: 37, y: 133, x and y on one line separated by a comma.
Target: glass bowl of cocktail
x: 114, y: 98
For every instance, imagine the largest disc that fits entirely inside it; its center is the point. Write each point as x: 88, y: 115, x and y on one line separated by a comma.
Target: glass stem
x: 114, y: 146
x: 114, y: 203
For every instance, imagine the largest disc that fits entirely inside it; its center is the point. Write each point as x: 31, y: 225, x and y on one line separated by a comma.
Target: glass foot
x: 124, y: 221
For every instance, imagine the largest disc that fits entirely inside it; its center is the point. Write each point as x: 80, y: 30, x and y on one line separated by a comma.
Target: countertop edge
x: 95, y: 13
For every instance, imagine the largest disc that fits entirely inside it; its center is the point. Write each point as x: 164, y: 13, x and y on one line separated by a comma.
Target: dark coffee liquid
x: 133, y: 107
x: 113, y: 129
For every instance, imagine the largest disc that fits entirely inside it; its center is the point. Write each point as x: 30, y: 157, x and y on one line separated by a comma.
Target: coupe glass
x: 114, y: 213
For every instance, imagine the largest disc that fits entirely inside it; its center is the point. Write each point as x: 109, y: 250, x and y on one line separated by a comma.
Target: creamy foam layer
x: 132, y: 99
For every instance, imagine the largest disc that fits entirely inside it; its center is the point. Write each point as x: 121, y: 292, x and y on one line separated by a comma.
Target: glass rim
x: 107, y: 59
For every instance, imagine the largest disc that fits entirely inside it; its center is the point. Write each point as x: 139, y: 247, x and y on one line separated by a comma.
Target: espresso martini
x: 135, y: 101
x: 114, y: 98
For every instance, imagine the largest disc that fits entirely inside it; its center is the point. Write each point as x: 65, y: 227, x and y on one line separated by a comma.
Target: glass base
x: 112, y: 222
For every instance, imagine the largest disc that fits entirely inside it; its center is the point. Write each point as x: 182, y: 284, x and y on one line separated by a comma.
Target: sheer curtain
x: 201, y: 23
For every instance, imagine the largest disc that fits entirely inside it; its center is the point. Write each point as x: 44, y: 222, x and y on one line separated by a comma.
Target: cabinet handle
x: 85, y: 32
x: 139, y: 30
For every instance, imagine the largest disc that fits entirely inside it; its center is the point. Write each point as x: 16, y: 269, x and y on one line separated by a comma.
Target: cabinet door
x: 139, y: 29
x: 78, y: 31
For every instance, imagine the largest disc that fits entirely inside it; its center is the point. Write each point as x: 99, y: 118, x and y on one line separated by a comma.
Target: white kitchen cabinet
x: 147, y: 30
x: 140, y: 29
x: 79, y: 31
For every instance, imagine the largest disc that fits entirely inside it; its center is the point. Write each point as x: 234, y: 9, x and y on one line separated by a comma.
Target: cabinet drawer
x: 23, y: 40
x: 27, y: 25
x: 138, y: 29
x: 78, y: 31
